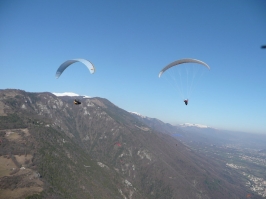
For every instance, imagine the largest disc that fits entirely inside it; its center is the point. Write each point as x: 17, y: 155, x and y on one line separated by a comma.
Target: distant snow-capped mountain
x: 66, y: 94
x: 70, y: 94
x: 193, y: 125
x: 138, y: 114
x: 179, y: 125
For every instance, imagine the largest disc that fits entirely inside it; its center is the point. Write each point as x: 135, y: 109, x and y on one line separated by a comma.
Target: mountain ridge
x: 130, y: 158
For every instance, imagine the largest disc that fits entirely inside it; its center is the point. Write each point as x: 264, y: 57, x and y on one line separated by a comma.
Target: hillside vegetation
x: 51, y: 148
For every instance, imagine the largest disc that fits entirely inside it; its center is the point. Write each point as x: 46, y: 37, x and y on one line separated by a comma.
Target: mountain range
x: 52, y: 148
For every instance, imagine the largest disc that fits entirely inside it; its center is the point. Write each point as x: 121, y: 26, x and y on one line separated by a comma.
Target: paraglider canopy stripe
x: 67, y: 63
x: 182, y: 61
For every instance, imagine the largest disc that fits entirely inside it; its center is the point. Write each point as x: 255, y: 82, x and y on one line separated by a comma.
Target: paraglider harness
x: 77, y: 102
x: 186, y: 101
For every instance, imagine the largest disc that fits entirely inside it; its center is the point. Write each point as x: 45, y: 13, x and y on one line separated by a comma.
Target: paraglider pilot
x: 77, y: 102
x: 186, y: 101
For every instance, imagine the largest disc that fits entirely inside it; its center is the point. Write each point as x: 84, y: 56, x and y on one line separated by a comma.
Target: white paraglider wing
x: 182, y: 61
x: 184, y: 75
x: 67, y: 63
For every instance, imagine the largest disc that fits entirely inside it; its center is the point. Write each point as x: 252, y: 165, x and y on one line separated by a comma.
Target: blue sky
x: 129, y: 42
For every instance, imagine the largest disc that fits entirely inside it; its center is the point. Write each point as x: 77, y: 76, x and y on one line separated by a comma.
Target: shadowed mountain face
x: 97, y: 150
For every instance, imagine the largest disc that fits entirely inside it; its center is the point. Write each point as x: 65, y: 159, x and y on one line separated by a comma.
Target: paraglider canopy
x: 263, y: 46
x: 182, y: 61
x: 183, y: 75
x: 67, y: 63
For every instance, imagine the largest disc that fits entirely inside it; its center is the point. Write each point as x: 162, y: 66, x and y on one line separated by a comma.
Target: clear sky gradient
x: 129, y: 42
